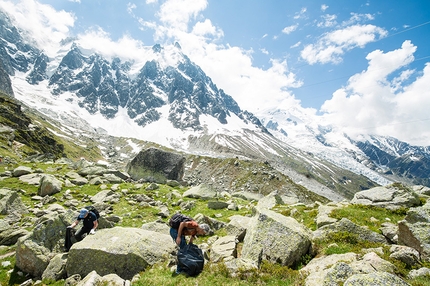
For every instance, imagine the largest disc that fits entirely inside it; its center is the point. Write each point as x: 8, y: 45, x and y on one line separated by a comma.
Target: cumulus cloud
x: 46, y: 25
x: 372, y: 101
x: 331, y: 46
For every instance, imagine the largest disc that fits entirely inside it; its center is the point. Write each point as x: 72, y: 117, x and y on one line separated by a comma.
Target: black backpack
x: 176, y: 220
x: 93, y: 210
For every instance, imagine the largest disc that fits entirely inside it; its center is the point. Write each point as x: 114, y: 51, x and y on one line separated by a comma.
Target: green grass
x: 217, y: 274
x: 136, y: 214
x: 369, y: 216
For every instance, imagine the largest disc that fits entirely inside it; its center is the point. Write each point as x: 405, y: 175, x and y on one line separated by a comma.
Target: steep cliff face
x: 20, y: 129
x: 5, y: 83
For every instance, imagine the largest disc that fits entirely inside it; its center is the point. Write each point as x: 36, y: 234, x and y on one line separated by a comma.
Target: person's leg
x: 79, y: 234
x: 174, y: 235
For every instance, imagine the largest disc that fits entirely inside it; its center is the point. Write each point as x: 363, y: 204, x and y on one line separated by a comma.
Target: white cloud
x: 46, y: 25
x: 300, y: 14
x: 324, y: 7
x: 296, y: 45
x: 331, y: 47
x: 177, y: 13
x: 100, y: 41
x: 370, y: 104
x: 206, y: 28
x: 358, y: 18
x: 290, y: 29
x: 328, y: 21
x: 131, y: 7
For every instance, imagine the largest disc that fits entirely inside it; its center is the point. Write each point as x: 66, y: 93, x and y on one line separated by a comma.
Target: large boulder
x: 375, y: 279
x: 10, y: 202
x: 49, y: 185
x: 203, y: 192
x: 224, y: 247
x: 9, y: 234
x: 34, y: 251
x: 414, y: 230
x: 155, y: 165
x: 275, y: 238
x: 390, y: 197
x: 118, y: 250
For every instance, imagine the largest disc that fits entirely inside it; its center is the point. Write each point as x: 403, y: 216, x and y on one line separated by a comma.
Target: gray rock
x: 56, y: 269
x: 10, y: 202
x: 76, y: 179
x: 390, y: 230
x: 223, y: 247
x: 92, y: 170
x: 371, y: 262
x: 203, y: 192
x: 414, y: 230
x: 323, y: 217
x: 236, y: 266
x: 49, y: 185
x: 318, y: 268
x: 237, y: 226
x: 275, y: 238
x: 270, y: 201
x: 405, y: 254
x: 31, y: 179
x: 114, y: 280
x: 111, y: 178
x: 33, y: 251
x: 217, y: 205
x: 21, y: 170
x: 249, y: 196
x: 9, y: 234
x: 92, y: 279
x: 422, y: 272
x: 118, y: 250
x: 157, y: 226
x: 156, y: 165
x: 421, y: 190
x: 105, y: 196
x: 391, y: 197
x: 338, y: 274
x: 375, y: 279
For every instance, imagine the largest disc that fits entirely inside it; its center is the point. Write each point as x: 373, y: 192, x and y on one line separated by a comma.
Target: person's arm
x: 180, y: 228
x: 95, y: 225
x: 74, y: 224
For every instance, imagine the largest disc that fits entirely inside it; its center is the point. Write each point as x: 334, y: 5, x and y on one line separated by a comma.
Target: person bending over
x: 90, y: 223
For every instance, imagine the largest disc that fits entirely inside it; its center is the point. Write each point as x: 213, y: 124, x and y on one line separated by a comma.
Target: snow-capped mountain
x: 168, y: 99
x: 379, y: 158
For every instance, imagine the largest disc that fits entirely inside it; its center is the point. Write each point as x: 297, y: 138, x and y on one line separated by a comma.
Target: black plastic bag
x: 68, y: 239
x: 191, y: 259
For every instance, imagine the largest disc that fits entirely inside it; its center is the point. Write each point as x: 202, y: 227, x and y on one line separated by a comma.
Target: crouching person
x: 90, y: 223
x: 181, y: 226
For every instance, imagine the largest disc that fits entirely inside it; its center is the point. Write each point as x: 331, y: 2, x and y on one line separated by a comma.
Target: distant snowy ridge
x: 167, y: 99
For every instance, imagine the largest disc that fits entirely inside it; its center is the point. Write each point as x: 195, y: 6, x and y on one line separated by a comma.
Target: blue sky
x: 357, y: 64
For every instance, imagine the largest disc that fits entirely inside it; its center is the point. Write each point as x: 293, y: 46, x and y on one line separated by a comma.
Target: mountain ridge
x: 174, y: 103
